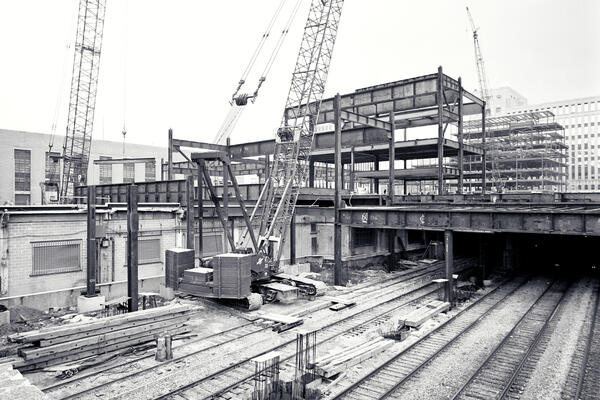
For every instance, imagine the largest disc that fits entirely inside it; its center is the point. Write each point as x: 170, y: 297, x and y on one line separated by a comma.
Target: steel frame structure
x: 84, y: 85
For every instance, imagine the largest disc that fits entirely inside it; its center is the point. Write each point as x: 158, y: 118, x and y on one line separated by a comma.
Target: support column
x: 484, y: 156
x: 200, y: 208
x: 376, y: 168
x: 311, y: 173
x: 449, y: 244
x: 132, y: 248
x: 190, y: 211
x: 461, y: 146
x: 337, y: 231
x: 392, y: 162
x: 440, y: 143
x: 482, y: 259
x: 170, y: 156
x: 391, y: 233
x: 352, y: 169
x: 226, y: 198
x: 92, y: 257
x: 293, y: 239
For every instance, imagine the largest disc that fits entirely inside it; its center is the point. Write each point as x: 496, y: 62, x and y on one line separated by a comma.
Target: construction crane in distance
x: 484, y: 86
x: 84, y: 85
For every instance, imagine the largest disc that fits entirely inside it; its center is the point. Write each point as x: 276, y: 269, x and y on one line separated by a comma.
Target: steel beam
x: 199, y: 145
x: 132, y: 248
x: 134, y: 160
x: 92, y: 256
x: 337, y: 231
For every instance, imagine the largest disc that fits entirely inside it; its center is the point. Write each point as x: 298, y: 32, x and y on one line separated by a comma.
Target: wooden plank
x: 419, y: 316
x: 103, y: 337
x: 76, y: 328
x: 334, y: 369
x: 346, y: 353
x: 286, y: 319
x: 24, y: 365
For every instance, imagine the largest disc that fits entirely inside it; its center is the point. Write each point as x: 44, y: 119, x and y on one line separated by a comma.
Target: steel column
x: 392, y: 160
x: 170, y: 156
x: 440, y: 144
x: 190, y: 211
x: 92, y: 257
x: 484, y: 156
x: 293, y: 239
x: 200, y: 208
x: 337, y: 231
x: 376, y: 168
x: 449, y: 244
x: 132, y: 248
x: 311, y: 174
x: 461, y: 145
x: 352, y: 169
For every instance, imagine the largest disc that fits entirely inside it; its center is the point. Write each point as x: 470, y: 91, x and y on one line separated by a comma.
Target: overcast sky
x: 175, y: 63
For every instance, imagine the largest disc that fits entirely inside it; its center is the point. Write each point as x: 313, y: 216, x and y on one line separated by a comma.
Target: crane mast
x: 84, y: 84
x: 295, y: 135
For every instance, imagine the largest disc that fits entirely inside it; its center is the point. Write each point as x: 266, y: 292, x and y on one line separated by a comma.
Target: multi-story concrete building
x: 581, y: 119
x: 504, y: 99
x: 26, y: 163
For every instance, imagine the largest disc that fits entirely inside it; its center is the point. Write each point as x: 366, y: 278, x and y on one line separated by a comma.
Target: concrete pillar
x: 132, y: 248
x: 449, y: 245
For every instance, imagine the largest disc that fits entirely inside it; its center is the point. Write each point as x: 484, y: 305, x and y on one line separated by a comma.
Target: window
x: 150, y: 171
x: 148, y: 250
x: 364, y: 237
x: 313, y: 228
x: 22, y: 170
x: 52, y: 166
x: 314, y: 246
x: 105, y: 172
x: 56, y: 256
x: 128, y: 172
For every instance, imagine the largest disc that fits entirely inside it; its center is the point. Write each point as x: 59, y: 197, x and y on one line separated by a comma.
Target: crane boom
x: 84, y: 84
x: 481, y: 74
x: 295, y: 136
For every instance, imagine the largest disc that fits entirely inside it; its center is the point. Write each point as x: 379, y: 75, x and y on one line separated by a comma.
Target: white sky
x: 174, y: 63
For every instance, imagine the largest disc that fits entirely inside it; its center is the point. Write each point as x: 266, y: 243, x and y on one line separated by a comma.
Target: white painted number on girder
x: 365, y: 217
x: 422, y: 219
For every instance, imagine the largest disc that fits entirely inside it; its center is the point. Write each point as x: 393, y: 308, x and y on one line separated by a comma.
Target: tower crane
x: 84, y: 84
x: 483, y: 86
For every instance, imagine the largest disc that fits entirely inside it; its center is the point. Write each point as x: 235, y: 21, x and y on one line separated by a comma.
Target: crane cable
x: 259, y: 47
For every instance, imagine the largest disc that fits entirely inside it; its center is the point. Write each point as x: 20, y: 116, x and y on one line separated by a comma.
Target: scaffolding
x: 525, y: 152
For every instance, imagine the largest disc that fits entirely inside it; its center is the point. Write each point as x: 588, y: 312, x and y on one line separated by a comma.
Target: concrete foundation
x: 4, y: 317
x: 166, y: 292
x: 89, y: 304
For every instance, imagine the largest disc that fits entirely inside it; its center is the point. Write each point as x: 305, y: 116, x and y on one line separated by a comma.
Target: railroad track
x: 236, y: 378
x: 499, y: 372
x: 385, y: 379
x: 146, y: 365
x: 583, y: 380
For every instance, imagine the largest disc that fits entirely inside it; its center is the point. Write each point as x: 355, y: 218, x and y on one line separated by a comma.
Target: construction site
x: 391, y: 241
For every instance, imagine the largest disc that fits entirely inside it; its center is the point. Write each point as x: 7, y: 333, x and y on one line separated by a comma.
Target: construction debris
x: 63, y: 344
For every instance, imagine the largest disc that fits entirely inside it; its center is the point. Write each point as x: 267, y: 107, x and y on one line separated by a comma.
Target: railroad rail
x: 388, y: 290
x: 495, y: 376
x: 583, y: 380
x: 386, y: 378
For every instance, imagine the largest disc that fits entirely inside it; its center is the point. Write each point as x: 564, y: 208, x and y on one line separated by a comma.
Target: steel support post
x: 92, y: 257
x: 226, y: 199
x: 440, y: 143
x: 293, y: 239
x: 461, y: 146
x: 352, y: 169
x: 376, y: 180
x: 392, y: 248
x: 311, y: 174
x: 170, y: 156
x: 484, y: 155
x: 392, y: 162
x: 200, y: 208
x: 449, y: 244
x: 132, y: 248
x: 337, y: 232
x: 190, y: 211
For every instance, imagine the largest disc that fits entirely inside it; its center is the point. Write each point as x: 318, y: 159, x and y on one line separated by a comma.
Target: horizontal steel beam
x: 124, y: 160
x: 546, y: 220
x: 199, y: 145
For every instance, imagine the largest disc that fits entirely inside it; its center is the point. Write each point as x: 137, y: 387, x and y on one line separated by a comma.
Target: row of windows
x: 128, y: 172
x: 62, y: 256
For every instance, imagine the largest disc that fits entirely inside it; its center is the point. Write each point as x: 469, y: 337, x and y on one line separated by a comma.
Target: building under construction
x: 525, y: 152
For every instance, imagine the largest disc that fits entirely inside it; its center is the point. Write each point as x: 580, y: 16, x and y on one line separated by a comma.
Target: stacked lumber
x: 67, y: 343
x: 278, y: 322
x: 422, y: 314
x: 340, y: 361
